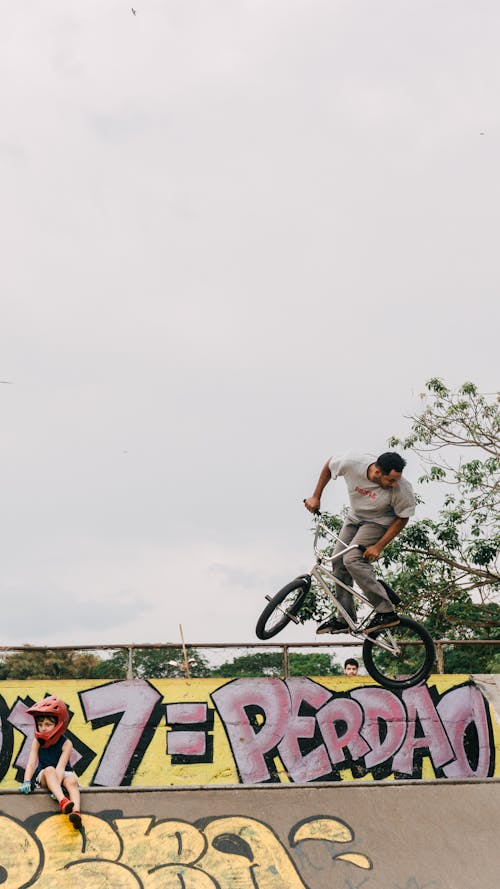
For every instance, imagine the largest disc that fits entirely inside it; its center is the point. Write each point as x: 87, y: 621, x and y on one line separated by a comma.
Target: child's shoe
x: 66, y: 806
x: 76, y: 820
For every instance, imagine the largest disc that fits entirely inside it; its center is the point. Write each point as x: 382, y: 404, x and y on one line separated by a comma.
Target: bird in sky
x: 134, y: 11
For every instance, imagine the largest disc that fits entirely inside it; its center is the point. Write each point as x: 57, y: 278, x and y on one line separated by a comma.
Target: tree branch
x: 487, y: 576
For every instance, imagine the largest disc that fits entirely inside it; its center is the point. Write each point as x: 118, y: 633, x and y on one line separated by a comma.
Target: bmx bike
x: 396, y: 657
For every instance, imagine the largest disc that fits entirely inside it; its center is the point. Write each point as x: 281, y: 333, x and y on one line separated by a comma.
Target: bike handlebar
x: 318, y: 514
x: 315, y: 511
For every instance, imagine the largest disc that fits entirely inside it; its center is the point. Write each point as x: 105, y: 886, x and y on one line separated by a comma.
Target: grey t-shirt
x: 368, y: 501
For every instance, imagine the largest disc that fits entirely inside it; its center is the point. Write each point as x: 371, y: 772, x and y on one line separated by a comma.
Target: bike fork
x: 284, y: 611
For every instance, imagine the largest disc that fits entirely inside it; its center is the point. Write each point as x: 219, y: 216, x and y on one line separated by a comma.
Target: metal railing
x: 183, y: 667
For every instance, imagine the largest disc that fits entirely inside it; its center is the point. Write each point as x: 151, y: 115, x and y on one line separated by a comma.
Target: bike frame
x: 321, y: 575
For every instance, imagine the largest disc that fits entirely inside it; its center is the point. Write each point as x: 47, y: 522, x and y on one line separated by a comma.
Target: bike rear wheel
x: 285, y: 604
x: 409, y: 664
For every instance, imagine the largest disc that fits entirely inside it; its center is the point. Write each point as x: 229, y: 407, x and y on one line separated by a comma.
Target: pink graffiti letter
x: 269, y: 700
x: 304, y: 767
x: 186, y: 743
x: 419, y: 706
x: 381, y: 706
x: 344, y: 711
x: 135, y: 700
x: 460, y: 709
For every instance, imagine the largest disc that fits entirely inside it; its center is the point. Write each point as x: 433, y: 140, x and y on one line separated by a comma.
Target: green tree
x: 448, y: 566
x: 319, y: 664
x: 271, y: 664
x: 466, y: 536
x: 494, y: 663
x: 48, y: 664
x: 152, y: 663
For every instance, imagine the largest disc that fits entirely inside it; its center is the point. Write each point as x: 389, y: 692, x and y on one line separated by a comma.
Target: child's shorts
x: 40, y: 773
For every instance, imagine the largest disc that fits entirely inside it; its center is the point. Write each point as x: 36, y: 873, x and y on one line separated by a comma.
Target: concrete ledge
x: 382, y: 835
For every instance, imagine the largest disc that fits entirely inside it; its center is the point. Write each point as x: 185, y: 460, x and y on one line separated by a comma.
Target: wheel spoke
x: 406, y: 656
x: 282, y: 608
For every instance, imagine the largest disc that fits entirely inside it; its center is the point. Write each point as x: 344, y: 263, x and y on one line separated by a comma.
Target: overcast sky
x: 237, y: 237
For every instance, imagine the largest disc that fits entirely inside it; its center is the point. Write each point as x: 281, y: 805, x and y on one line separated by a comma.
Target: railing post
x: 439, y: 656
x: 130, y: 663
x: 286, y: 662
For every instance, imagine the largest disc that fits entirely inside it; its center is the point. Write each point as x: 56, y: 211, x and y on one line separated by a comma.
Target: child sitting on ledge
x: 48, y: 763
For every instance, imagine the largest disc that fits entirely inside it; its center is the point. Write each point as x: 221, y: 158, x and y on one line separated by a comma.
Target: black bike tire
x: 418, y: 677
x: 301, y: 584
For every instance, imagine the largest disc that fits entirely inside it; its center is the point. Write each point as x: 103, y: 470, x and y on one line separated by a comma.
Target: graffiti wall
x: 364, y: 835
x: 134, y: 852
x: 249, y: 731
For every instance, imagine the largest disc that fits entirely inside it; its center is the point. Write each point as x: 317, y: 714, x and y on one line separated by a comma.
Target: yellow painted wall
x: 148, y: 760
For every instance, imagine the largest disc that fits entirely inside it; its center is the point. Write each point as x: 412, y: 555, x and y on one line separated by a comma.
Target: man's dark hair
x: 390, y: 460
x: 351, y: 661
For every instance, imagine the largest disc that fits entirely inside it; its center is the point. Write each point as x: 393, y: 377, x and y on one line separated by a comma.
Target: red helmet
x: 50, y: 706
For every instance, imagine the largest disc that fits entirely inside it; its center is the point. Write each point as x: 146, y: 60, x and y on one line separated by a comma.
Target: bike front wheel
x: 283, y: 607
x: 406, y: 660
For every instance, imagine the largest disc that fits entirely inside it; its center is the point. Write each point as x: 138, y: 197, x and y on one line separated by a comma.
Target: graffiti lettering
x: 305, y: 696
x: 196, y: 744
x: 81, y: 755
x: 131, y: 705
x: 143, y: 853
x: 260, y: 730
x: 372, y: 727
x: 464, y: 713
x: 422, y: 715
x: 6, y: 739
x: 251, y: 739
x: 331, y: 721
x: 384, y: 723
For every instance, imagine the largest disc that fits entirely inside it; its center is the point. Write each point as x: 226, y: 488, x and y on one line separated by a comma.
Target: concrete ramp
x: 376, y: 835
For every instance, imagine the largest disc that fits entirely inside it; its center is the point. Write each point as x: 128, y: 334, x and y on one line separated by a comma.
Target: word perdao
x: 299, y: 727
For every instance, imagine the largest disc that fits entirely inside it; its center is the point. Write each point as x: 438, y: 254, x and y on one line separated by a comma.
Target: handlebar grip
x: 361, y: 547
x: 316, y: 511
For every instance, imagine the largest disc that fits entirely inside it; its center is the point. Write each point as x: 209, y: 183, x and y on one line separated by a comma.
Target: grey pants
x: 354, y: 567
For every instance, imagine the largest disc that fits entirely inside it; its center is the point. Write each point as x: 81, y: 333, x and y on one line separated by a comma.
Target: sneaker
x: 382, y: 621
x: 333, y: 625
x: 66, y: 806
x: 76, y: 820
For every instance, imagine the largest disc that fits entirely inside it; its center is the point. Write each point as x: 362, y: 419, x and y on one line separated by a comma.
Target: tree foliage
x: 448, y: 565
x: 48, y: 664
x: 466, y: 535
x: 152, y: 663
x: 271, y: 664
x: 147, y: 663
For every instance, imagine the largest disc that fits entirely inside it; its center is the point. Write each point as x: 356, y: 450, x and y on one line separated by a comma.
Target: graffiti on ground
x: 247, y: 731
x: 130, y: 853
